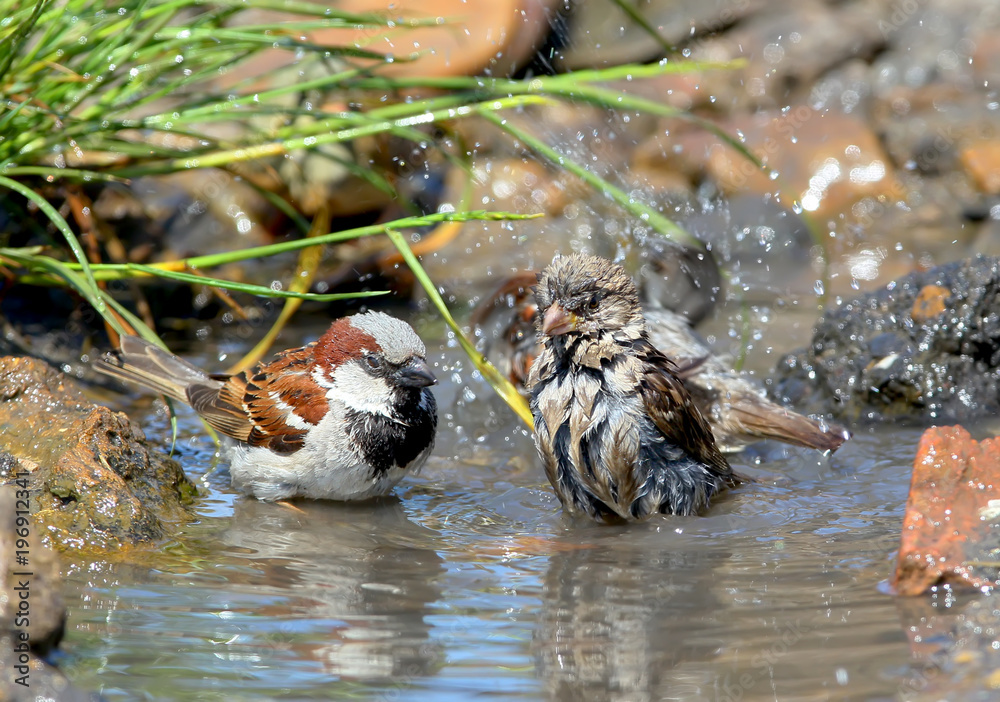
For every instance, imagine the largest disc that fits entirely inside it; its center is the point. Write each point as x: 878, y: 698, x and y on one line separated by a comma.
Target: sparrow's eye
x: 373, y: 361
x: 595, y: 301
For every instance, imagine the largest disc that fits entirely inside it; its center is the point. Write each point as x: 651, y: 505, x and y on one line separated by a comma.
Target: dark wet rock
x: 926, y: 346
x: 196, y: 212
x: 787, y: 47
x: 951, y: 530
x: 50, y: 328
x: 929, y: 130
x: 683, y: 279
x: 921, y: 126
x: 929, y: 40
x: 94, y: 483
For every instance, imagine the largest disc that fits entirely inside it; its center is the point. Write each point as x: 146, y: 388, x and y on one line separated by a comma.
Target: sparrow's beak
x: 558, y: 321
x: 416, y: 374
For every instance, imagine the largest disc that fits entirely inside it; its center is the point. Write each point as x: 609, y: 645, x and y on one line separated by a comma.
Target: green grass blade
x: 637, y: 17
x: 258, y: 290
x: 136, y: 323
x: 93, y: 292
x: 118, y: 271
x: 642, y: 211
x: 53, y: 173
x: 502, y: 385
x: 15, y: 43
x: 90, y: 292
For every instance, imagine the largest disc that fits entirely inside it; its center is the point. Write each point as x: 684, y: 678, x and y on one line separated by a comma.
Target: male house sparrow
x: 343, y: 418
x: 615, y: 426
x: 736, y: 407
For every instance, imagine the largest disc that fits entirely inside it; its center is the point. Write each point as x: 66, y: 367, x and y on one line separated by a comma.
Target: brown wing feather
x: 755, y: 417
x: 279, y: 401
x: 273, y: 405
x: 220, y: 413
x: 668, y: 403
x: 140, y: 361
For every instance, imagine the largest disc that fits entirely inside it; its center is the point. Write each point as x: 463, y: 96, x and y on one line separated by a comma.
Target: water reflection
x: 473, y: 583
x: 356, y: 577
x: 616, y: 620
x: 955, y: 644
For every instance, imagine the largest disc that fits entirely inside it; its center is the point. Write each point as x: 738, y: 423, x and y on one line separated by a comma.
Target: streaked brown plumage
x: 343, y: 418
x: 616, y: 428
x: 736, y: 406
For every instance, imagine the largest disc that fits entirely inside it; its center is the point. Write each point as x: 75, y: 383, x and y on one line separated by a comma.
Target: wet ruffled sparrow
x: 616, y: 428
x: 736, y: 405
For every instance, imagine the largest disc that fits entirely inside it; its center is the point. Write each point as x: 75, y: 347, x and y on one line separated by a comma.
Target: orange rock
x: 826, y: 161
x: 982, y: 162
x: 465, y: 38
x: 458, y: 38
x: 952, y: 509
x: 929, y: 303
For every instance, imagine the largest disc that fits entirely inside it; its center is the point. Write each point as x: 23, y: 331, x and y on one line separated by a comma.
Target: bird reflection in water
x: 351, y: 587
x: 620, y: 620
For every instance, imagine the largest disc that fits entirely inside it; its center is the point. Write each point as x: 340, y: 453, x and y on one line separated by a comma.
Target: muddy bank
x: 95, y: 484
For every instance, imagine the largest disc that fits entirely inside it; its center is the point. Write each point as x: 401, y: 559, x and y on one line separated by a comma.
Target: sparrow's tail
x: 763, y: 419
x: 141, y: 362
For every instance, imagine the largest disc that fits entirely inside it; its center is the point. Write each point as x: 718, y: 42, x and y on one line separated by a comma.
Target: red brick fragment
x: 950, y: 533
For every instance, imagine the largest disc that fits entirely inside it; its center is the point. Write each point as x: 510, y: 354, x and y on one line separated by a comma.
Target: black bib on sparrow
x: 388, y: 442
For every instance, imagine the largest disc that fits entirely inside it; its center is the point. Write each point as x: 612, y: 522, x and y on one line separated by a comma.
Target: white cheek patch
x: 357, y: 390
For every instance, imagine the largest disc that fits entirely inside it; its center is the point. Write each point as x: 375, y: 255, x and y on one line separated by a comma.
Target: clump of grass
x: 96, y: 93
x: 79, y: 78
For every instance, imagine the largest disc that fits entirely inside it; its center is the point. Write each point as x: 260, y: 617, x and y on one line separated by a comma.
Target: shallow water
x: 470, y: 582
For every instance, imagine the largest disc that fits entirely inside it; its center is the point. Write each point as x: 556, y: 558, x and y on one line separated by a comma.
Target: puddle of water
x: 471, y: 581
